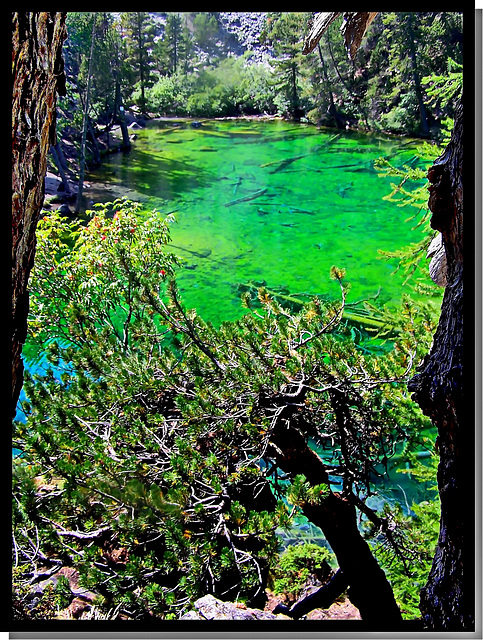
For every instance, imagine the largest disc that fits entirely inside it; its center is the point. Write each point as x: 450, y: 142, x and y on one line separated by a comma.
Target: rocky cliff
x: 240, y: 31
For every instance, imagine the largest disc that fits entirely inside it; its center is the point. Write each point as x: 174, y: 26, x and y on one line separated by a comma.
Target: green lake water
x: 319, y: 202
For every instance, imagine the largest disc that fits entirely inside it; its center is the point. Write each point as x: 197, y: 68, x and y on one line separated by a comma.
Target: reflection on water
x: 267, y: 201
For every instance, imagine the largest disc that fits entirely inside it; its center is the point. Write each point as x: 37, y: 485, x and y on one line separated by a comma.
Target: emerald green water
x: 319, y: 203
x: 322, y: 206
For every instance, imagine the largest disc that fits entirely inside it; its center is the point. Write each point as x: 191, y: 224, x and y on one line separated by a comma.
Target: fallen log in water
x: 250, y: 196
x: 286, y: 206
x: 361, y: 317
x: 281, y: 164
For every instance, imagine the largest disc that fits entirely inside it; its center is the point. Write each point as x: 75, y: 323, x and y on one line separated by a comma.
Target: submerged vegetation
x: 161, y: 455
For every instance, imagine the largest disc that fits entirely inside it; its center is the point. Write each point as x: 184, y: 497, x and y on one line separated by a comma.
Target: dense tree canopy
x: 382, y: 88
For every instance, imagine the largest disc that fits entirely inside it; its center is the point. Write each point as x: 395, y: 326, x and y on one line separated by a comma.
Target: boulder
x: 210, y: 608
x: 65, y: 210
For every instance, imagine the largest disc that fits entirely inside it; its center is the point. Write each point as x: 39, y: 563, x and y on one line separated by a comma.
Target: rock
x: 65, y: 210
x: 210, y: 608
x: 241, y: 32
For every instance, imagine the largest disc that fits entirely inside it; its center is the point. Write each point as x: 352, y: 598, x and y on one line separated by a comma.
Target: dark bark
x: 37, y: 77
x: 353, y: 29
x: 332, y: 108
x: 416, y: 79
x: 85, y: 125
x: 447, y: 601
x: 320, y: 599
x: 337, y: 518
x: 95, y: 144
x: 60, y: 169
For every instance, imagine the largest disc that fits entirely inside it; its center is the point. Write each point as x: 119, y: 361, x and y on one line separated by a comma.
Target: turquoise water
x: 269, y: 202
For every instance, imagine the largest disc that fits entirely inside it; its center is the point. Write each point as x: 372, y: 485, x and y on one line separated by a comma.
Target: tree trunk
x: 37, y: 75
x: 119, y: 111
x: 332, y: 108
x: 60, y: 169
x: 369, y: 589
x: 141, y: 62
x: 95, y: 144
x: 85, y: 125
x: 417, y: 83
x: 447, y: 601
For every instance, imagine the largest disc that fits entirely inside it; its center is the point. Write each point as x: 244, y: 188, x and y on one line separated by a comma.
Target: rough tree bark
x: 447, y: 600
x: 353, y: 29
x: 37, y: 77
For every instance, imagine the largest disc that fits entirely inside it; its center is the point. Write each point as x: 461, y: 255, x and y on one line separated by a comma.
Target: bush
x: 299, y: 566
x: 155, y: 436
x: 232, y: 88
x: 165, y: 97
x: 409, y: 573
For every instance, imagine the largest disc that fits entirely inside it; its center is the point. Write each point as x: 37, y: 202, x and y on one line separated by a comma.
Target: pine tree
x: 141, y: 30
x: 285, y: 33
x: 162, y: 436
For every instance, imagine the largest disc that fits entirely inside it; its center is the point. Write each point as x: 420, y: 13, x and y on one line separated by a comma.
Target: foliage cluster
x: 300, y: 566
x: 408, y: 574
x: 151, y: 442
x: 37, y: 606
x: 177, y: 64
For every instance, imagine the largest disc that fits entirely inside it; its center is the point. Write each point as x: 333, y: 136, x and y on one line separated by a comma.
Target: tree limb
x: 353, y: 29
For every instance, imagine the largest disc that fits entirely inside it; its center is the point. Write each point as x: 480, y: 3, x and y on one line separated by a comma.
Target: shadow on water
x: 152, y: 174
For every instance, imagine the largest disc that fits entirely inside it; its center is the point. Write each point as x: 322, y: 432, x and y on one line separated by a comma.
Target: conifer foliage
x: 161, y: 454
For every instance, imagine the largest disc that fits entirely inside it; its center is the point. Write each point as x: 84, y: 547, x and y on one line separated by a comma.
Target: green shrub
x: 165, y: 97
x: 150, y: 427
x: 408, y: 572
x: 299, y: 566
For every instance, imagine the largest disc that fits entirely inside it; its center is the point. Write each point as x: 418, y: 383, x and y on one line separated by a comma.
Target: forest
x: 189, y: 65
x: 166, y: 466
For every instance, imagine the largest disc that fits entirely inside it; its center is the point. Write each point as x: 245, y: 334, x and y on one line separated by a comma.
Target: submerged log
x: 286, y: 162
x: 282, y: 163
x: 361, y: 317
x: 250, y: 196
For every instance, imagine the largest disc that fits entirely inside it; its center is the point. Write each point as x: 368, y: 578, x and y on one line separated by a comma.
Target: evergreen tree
x: 141, y: 30
x: 285, y: 33
x: 172, y: 37
x: 339, y: 84
x: 164, y: 437
x: 408, y: 47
